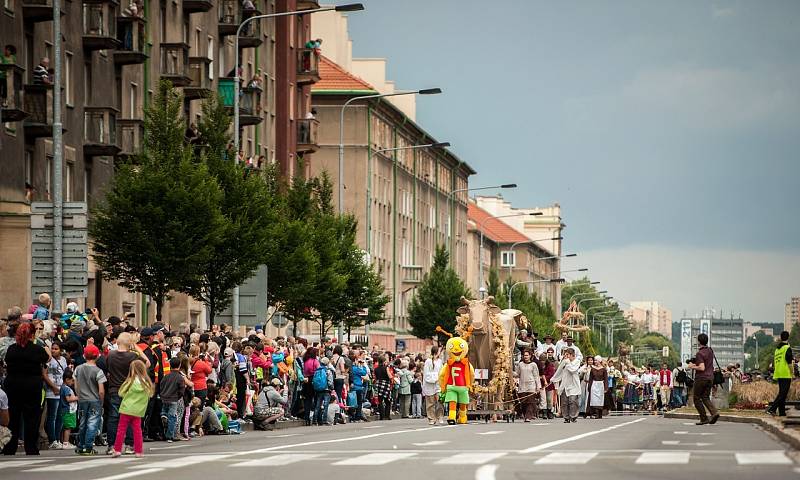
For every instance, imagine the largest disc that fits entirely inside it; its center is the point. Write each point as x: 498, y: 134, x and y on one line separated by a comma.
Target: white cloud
x: 720, y: 12
x: 753, y: 283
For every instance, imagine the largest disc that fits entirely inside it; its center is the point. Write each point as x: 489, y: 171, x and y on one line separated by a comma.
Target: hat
x: 523, y: 332
x: 548, y: 336
x: 147, y: 332
x: 91, y: 352
x: 598, y: 358
x: 276, y: 382
x: 157, y: 327
x: 113, y: 320
x: 72, y: 307
x: 570, y: 339
x: 228, y: 352
x: 325, y: 360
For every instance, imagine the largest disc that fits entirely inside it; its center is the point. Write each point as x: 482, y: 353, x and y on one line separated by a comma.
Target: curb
x: 789, y: 436
x: 248, y: 427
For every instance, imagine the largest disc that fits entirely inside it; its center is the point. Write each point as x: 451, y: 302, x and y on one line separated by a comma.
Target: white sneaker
x: 67, y: 446
x: 128, y: 450
x: 56, y: 445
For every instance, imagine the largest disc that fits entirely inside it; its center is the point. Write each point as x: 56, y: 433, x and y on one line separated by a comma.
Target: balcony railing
x: 37, y: 10
x: 39, y: 106
x: 131, y: 136
x: 197, y: 6
x: 200, y: 83
x: 132, y: 41
x: 307, y: 130
x: 99, y: 26
x: 307, y: 4
x: 307, y: 66
x: 100, y: 131
x: 174, y: 63
x: 231, y: 15
x: 249, y: 101
x: 12, y: 108
x: 412, y: 273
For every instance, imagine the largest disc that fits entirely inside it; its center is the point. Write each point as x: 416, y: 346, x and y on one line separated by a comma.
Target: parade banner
x: 686, y: 339
x: 705, y: 327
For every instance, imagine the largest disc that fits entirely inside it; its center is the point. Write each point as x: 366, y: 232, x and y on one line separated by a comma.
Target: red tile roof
x: 334, y: 77
x: 494, y: 229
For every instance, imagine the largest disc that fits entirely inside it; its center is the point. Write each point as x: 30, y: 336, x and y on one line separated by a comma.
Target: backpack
x: 681, y: 376
x: 320, y: 379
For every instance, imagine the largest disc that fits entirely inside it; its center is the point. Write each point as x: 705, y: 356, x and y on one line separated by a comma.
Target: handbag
x: 719, y: 379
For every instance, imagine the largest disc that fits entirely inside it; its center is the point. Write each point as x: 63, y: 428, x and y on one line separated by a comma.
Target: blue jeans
x: 170, y: 410
x: 90, y: 414
x: 321, y: 401
x: 52, y: 423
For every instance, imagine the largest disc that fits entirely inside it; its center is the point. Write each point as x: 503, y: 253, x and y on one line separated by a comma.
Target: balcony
x: 12, y: 106
x: 412, y: 273
x: 39, y: 106
x: 307, y: 66
x: 99, y: 26
x: 175, y: 63
x: 100, y: 131
x: 307, y: 4
x: 231, y: 16
x: 131, y: 37
x: 249, y: 101
x: 200, y: 85
x: 307, y: 130
x: 37, y: 10
x: 130, y: 132
x: 197, y: 6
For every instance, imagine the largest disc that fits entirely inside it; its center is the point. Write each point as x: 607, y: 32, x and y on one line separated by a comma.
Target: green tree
x: 437, y: 298
x: 651, y: 345
x: 249, y: 215
x: 161, y: 213
x: 493, y: 284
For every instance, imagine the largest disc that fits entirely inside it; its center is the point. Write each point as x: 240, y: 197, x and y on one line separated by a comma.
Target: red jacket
x: 665, y: 377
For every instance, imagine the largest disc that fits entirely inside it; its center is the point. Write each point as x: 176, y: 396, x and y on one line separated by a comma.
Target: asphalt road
x: 614, y: 448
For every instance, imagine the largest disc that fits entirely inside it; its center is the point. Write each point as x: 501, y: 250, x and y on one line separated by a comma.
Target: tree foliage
x: 437, y: 298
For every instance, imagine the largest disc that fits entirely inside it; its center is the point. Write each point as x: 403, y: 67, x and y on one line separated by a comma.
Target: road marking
x: 375, y: 458
x: 372, y: 426
x: 278, y: 460
x: 492, y: 432
x: 71, y: 467
x: 431, y: 443
x: 678, y: 442
x: 131, y: 474
x: 181, y: 462
x: 21, y: 463
x: 472, y: 458
x: 566, y: 458
x: 168, y: 448
x: 763, y: 458
x: 663, y: 458
x: 694, y: 433
x: 284, y: 435
x: 485, y: 472
x: 545, y: 446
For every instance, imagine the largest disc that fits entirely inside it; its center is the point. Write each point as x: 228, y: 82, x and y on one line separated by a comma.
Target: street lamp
x: 515, y: 244
x: 586, y: 293
x: 450, y: 198
x: 350, y: 7
x: 424, y: 91
x: 550, y: 280
x: 480, y: 227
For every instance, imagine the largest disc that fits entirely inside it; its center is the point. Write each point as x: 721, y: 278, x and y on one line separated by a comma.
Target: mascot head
x: 456, y: 347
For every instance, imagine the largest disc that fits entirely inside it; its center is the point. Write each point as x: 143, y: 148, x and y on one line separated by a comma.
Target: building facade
x: 726, y: 336
x: 113, y: 58
x: 791, y: 314
x: 651, y: 316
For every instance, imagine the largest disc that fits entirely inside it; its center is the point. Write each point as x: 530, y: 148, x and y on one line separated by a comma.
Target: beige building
x: 791, y: 314
x: 651, y: 316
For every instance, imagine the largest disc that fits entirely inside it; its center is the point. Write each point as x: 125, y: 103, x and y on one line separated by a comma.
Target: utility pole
x: 58, y: 157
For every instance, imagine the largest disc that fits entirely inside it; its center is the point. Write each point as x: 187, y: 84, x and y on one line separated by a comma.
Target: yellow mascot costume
x: 456, y: 376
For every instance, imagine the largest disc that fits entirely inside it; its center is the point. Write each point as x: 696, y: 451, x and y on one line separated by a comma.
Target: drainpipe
x: 58, y: 159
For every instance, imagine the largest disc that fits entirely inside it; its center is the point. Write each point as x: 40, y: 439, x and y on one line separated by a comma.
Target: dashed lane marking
x: 21, y: 463
x: 763, y: 458
x: 663, y: 458
x: 492, y: 432
x: 545, y: 446
x: 431, y: 443
x: 278, y: 460
x: 375, y: 458
x: 485, y: 472
x: 71, y: 467
x: 473, y: 458
x: 566, y: 458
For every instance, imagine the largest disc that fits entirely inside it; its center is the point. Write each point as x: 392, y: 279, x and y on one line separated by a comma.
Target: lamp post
x: 515, y: 244
x: 424, y: 91
x: 394, y: 222
x: 511, y: 290
x: 586, y: 293
x: 451, y: 197
x: 480, y: 252
x: 351, y: 7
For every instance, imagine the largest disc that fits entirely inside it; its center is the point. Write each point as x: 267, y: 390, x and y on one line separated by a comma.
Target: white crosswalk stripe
x: 763, y: 458
x: 21, y: 463
x: 73, y: 466
x: 473, y: 458
x: 181, y: 461
x: 376, y: 458
x: 566, y: 458
x: 663, y: 458
x: 278, y: 460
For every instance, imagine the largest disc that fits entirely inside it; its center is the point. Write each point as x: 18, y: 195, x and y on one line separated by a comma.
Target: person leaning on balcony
x: 41, y: 73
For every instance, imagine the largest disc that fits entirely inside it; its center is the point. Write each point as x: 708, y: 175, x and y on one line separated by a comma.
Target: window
x: 198, y: 45
x: 87, y: 83
x: 507, y: 259
x: 134, y: 99
x: 29, y: 167
x: 211, y: 55
x: 9, y: 6
x: 68, y: 86
x: 68, y: 190
x: 48, y: 178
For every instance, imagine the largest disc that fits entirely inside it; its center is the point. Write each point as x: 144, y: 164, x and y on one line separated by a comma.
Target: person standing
x: 90, y: 387
x: 596, y: 388
x: 430, y: 387
x: 665, y: 384
x: 569, y: 384
x: 25, y: 362
x: 703, y: 366
x: 527, y: 374
x: 782, y: 373
x: 54, y: 378
x: 135, y: 392
x: 118, y: 363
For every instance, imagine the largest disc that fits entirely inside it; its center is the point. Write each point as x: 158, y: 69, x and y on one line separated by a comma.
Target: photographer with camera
x: 703, y: 365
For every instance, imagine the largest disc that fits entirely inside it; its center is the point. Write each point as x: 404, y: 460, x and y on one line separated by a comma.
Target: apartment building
x: 511, y: 252
x: 651, y: 316
x: 113, y: 57
x: 791, y: 313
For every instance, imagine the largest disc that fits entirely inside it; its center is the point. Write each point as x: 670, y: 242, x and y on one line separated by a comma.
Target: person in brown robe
x: 596, y: 389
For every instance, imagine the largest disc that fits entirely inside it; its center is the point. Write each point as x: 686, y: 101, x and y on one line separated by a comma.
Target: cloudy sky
x: 669, y: 132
